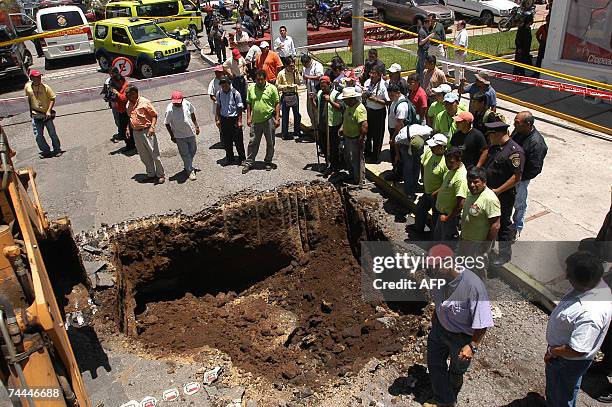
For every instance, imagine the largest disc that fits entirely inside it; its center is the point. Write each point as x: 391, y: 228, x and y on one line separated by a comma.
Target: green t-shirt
x: 334, y: 117
x: 353, y: 117
x: 444, y: 123
x: 435, y: 109
x: 477, y: 210
x: 454, y: 184
x: 262, y: 101
x: 434, y: 168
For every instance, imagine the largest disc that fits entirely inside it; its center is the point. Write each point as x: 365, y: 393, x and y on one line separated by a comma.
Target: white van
x: 69, y: 43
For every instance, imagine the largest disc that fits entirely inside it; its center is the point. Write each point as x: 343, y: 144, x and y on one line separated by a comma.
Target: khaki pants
x: 459, y: 72
x: 439, y: 52
x: 311, y: 108
x: 149, y: 153
x: 257, y: 130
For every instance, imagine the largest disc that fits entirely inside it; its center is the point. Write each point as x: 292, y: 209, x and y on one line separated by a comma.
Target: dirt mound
x: 271, y: 280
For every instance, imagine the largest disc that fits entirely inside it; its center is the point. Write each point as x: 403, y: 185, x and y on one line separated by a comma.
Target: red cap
x: 464, y: 116
x: 177, y: 96
x: 218, y: 68
x: 35, y: 72
x: 325, y: 78
x: 236, y: 53
x: 438, y: 253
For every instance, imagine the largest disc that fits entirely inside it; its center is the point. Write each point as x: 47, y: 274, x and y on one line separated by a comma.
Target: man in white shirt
x: 375, y: 98
x: 241, y: 39
x: 313, y: 70
x: 236, y: 69
x: 461, y: 40
x: 283, y: 45
x: 576, y: 328
x: 251, y: 58
x: 182, y: 125
x: 401, y: 113
x: 213, y: 87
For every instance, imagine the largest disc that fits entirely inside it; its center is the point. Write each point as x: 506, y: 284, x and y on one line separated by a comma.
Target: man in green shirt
x: 263, y: 117
x: 329, y: 115
x: 354, y: 130
x: 451, y: 197
x: 480, y: 219
x: 438, y: 105
x: 433, y: 170
x: 445, y: 120
x: 438, y: 49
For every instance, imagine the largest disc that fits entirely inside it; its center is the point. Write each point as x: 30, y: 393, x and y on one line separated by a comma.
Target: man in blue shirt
x: 460, y: 320
x: 229, y: 121
x: 481, y: 84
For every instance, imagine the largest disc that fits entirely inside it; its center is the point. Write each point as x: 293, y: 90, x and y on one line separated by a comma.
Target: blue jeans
x: 446, y: 380
x: 411, y: 167
x: 520, y: 204
x: 563, y: 379
x: 297, y: 118
x: 187, y: 148
x: 39, y: 126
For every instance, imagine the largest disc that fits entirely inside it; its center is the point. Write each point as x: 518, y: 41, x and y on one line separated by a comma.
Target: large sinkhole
x: 271, y: 279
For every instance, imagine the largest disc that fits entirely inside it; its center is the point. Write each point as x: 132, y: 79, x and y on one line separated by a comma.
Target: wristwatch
x: 473, y: 347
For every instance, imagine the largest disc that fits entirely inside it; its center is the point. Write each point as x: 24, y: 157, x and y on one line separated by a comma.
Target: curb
x: 510, y: 273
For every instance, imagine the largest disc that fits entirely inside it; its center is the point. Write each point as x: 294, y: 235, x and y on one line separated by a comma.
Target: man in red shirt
x: 417, y: 96
x: 114, y: 90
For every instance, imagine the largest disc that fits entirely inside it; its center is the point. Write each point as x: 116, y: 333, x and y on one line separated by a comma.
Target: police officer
x: 504, y: 169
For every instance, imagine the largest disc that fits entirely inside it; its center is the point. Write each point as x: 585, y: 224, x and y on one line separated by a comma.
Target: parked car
x: 15, y: 59
x: 75, y: 37
x: 143, y: 42
x: 489, y: 11
x: 346, y: 13
x: 409, y: 12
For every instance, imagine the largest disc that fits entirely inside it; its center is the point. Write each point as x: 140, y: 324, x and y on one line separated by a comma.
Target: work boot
x: 606, y: 398
x: 504, y: 255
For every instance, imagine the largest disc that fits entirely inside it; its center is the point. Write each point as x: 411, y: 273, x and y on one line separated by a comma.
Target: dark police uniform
x: 502, y: 163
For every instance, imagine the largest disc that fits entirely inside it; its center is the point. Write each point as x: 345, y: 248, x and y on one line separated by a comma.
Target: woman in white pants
x: 461, y: 40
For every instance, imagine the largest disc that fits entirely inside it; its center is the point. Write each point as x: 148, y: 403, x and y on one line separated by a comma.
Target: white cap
x: 451, y: 97
x: 264, y: 44
x: 394, y: 68
x: 437, y: 140
x: 443, y: 88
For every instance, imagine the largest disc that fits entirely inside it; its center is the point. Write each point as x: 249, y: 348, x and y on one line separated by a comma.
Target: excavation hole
x: 271, y: 280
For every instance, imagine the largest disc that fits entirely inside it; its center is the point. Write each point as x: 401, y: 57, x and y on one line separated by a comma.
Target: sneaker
x: 192, y: 176
x: 161, y: 180
x: 46, y: 155
x: 606, y: 399
x: 287, y: 137
x: 246, y: 169
x: 57, y: 153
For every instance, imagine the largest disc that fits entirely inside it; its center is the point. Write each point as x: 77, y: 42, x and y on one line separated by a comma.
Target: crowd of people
x: 472, y: 170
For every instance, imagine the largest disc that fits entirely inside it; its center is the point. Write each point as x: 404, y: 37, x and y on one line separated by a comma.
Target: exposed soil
x: 271, y: 280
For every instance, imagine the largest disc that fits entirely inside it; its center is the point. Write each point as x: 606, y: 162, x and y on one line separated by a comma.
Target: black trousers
x: 376, y: 133
x: 333, y: 155
x: 220, y: 50
x: 232, y: 135
x: 122, y: 120
x: 507, y: 230
x: 239, y: 83
x: 523, y: 58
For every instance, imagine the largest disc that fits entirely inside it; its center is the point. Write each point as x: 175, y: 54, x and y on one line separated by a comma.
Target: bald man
x: 527, y: 136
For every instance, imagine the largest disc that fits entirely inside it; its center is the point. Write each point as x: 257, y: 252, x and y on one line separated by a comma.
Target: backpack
x: 411, y: 118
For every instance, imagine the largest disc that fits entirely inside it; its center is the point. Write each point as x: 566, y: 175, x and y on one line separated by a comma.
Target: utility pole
x: 358, y: 33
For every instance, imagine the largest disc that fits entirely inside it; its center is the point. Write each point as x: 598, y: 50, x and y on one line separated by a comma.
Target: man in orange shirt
x: 269, y: 61
x: 143, y: 119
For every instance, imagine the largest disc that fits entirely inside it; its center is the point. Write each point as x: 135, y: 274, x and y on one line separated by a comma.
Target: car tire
x: 504, y: 25
x: 104, y: 62
x: 487, y: 17
x: 145, y: 70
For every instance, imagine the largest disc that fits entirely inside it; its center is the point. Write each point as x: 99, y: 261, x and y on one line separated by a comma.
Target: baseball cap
x: 218, y: 68
x: 394, y: 68
x: 177, y: 96
x: 236, y: 53
x: 483, y: 77
x: 464, y: 116
x: 437, y: 140
x: 443, y: 88
x: 325, y: 78
x: 451, y: 97
x: 35, y: 72
x: 264, y: 44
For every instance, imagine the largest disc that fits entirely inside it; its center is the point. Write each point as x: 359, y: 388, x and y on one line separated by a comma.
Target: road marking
x: 71, y: 72
x: 537, y: 215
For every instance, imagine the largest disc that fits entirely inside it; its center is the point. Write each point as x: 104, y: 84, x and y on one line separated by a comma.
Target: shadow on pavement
x: 406, y: 385
x: 530, y: 400
x: 143, y: 179
x: 180, y: 177
x: 88, y: 351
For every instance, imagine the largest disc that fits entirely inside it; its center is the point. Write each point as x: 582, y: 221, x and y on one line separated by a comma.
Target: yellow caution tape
x: 555, y: 74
